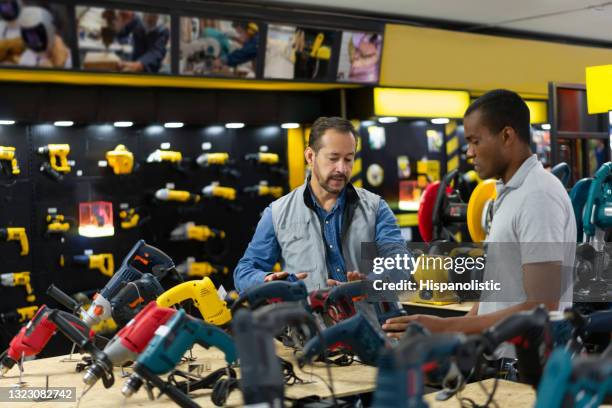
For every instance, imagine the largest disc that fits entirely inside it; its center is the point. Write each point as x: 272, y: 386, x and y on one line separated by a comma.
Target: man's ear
x: 509, y: 135
x: 309, y: 155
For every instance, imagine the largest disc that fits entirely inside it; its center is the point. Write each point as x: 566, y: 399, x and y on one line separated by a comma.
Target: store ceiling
x: 584, y: 19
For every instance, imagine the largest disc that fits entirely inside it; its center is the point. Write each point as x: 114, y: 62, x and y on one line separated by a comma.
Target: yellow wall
x: 432, y: 58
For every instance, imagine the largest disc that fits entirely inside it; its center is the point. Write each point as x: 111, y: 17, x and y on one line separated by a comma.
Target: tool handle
x: 62, y: 298
x: 68, y: 324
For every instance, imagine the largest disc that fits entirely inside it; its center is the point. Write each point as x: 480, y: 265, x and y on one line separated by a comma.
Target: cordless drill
x: 190, y: 231
x: 16, y: 234
x: 7, y: 154
x: 261, y: 374
x: 167, y: 347
x: 19, y: 279
x: 271, y: 292
x: 204, y: 296
x: 33, y: 337
x: 141, y: 259
x: 131, y: 340
x: 133, y: 297
x: 57, y: 165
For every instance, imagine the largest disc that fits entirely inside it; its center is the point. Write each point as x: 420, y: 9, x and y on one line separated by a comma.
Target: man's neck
x: 515, y: 165
x: 324, y: 198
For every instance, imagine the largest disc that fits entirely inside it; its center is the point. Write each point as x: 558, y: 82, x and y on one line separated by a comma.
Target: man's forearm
x: 474, y: 324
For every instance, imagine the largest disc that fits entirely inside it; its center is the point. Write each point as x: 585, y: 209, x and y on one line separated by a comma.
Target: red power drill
x: 33, y: 337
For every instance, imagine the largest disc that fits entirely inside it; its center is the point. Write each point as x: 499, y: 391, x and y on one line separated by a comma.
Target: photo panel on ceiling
x: 120, y: 40
x: 298, y: 52
x: 360, y: 54
x: 214, y: 47
x: 35, y: 34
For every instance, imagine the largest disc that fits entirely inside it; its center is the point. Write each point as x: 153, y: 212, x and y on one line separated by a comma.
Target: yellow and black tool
x: 215, y: 190
x: 57, y: 165
x: 263, y: 158
x: 130, y: 218
x: 169, y: 156
x: 191, y: 231
x: 16, y: 234
x: 8, y: 160
x: 20, y: 315
x: 121, y: 160
x: 192, y: 269
x: 105, y: 263
x: 213, y: 159
x: 264, y: 190
x: 318, y: 50
x: 57, y: 224
x: 19, y: 279
x: 480, y: 210
x: 181, y: 196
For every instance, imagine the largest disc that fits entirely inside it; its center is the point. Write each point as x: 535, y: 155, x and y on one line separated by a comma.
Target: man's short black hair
x: 501, y: 108
x: 321, y: 125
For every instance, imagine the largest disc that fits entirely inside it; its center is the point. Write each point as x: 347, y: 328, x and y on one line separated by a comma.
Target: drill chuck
x: 93, y: 374
x: 131, y: 386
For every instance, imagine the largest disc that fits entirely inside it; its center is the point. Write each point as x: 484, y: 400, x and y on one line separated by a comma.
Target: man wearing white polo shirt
x: 531, y: 242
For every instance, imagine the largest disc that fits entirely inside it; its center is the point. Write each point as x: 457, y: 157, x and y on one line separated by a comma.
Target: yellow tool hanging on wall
x: 192, y: 269
x: 7, y: 154
x: 104, y: 263
x: 191, y: 231
x: 19, y: 279
x: 16, y: 234
x: 181, y: 196
x: 57, y: 165
x: 215, y: 190
x: 57, y: 224
x: 264, y: 190
x: 170, y: 156
x: 121, y: 160
x: 480, y: 210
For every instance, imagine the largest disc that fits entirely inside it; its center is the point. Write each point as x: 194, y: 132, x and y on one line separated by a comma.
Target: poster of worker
x: 298, y: 52
x: 35, y: 34
x: 359, y: 57
x: 123, y: 40
x: 218, y: 47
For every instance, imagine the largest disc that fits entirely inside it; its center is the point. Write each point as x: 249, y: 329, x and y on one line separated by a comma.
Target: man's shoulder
x: 279, y: 202
x: 367, y: 195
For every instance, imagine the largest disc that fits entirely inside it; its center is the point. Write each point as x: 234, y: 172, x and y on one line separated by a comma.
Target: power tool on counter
x: 8, y: 161
x: 121, y: 160
x: 585, y: 327
x: 215, y: 190
x: 357, y: 335
x: 19, y: 279
x: 191, y: 269
x: 141, y: 259
x: 33, y: 337
x: 262, y: 381
x: 190, y: 230
x: 204, y: 296
x: 16, y: 234
x: 57, y: 224
x: 19, y: 315
x: 57, y: 165
x: 219, y: 160
x: 271, y: 292
x: 130, y: 341
x: 264, y: 190
x: 166, y: 349
x: 133, y: 297
x: 583, y: 382
x: 179, y: 196
x: 104, y: 263
x: 271, y: 160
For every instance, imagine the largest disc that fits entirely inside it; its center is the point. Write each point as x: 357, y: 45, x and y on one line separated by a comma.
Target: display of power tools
x: 121, y: 160
x: 166, y: 349
x: 262, y: 381
x: 263, y: 189
x: 141, y: 259
x: 594, y: 329
x: 271, y: 292
x: 57, y: 224
x: 270, y: 160
x: 219, y: 160
x: 57, y: 166
x: 14, y: 279
x: 103, y: 263
x: 583, y: 382
x: 178, y: 196
x: 214, y: 190
x: 191, y: 231
x: 8, y: 161
x: 204, y: 296
x: 356, y: 335
x: 33, y: 337
x: 133, y: 297
x: 168, y: 156
x: 190, y: 269
x: 19, y: 315
x: 16, y: 234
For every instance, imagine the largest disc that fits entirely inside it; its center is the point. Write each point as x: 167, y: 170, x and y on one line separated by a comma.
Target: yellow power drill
x: 181, y: 196
x: 192, y: 269
x: 264, y: 190
x: 215, y: 190
x: 16, y: 234
x: 57, y: 165
x: 204, y: 296
x: 105, y: 263
x: 7, y: 154
x: 189, y: 231
x: 121, y: 160
x: 19, y: 279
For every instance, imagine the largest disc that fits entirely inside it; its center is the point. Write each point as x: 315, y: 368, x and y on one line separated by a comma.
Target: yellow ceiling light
x: 599, y: 88
x: 420, y: 103
x: 538, y: 111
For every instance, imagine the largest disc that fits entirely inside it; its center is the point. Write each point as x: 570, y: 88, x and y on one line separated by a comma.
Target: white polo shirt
x: 533, y: 222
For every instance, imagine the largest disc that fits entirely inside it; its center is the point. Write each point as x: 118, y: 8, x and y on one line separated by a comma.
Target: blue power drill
x: 262, y: 379
x: 133, y: 297
x: 580, y: 383
x: 271, y: 292
x: 141, y: 259
x: 356, y: 334
x: 166, y: 349
x: 599, y: 322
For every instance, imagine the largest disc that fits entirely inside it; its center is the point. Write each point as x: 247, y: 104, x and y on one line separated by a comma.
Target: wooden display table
x: 508, y: 394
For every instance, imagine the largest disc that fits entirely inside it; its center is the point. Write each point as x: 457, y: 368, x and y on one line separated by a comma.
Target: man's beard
x: 325, y: 184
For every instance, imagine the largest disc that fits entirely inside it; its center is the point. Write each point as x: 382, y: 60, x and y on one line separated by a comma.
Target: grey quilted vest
x: 299, y: 232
